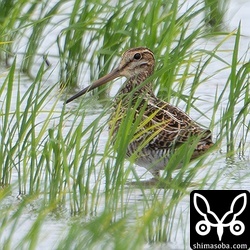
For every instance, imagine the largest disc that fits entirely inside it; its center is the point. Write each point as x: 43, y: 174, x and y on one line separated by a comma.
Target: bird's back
x: 161, y: 129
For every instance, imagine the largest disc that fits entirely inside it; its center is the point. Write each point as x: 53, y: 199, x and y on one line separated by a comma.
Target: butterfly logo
x: 203, y: 227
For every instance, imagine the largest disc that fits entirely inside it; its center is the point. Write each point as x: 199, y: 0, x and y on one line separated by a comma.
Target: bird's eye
x: 137, y: 56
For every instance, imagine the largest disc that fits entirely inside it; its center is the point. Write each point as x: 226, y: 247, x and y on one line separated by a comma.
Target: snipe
x: 166, y: 127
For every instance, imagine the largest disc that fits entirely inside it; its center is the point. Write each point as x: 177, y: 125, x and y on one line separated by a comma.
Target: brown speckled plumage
x: 165, y: 127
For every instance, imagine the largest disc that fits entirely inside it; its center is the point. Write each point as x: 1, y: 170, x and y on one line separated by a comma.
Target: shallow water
x: 231, y: 170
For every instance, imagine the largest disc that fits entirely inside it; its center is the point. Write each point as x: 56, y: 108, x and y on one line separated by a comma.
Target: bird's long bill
x: 107, y: 78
